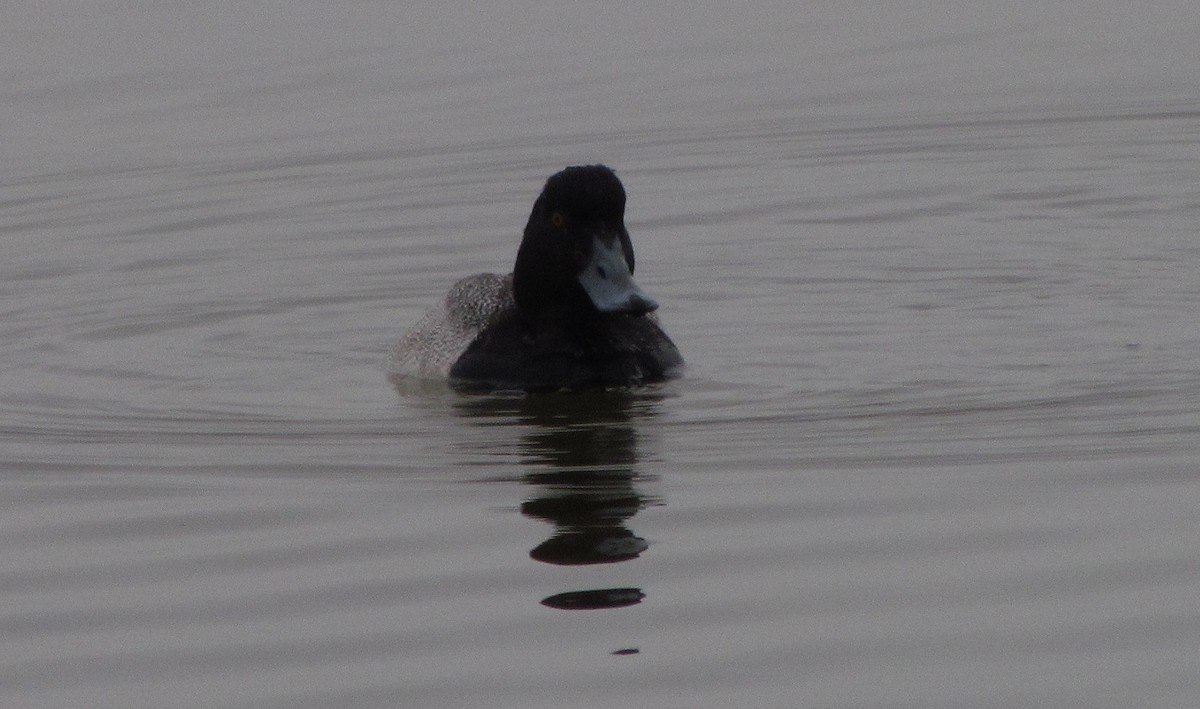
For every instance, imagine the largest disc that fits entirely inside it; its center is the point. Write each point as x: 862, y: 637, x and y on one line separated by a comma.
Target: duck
x: 569, y: 316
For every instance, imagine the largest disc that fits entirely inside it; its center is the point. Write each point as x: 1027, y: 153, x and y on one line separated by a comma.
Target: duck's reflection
x: 580, y: 451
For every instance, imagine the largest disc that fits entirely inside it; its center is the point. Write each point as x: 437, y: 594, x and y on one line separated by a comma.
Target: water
x: 934, y: 271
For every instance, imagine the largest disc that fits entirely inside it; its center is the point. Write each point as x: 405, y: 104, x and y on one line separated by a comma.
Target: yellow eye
x: 556, y: 219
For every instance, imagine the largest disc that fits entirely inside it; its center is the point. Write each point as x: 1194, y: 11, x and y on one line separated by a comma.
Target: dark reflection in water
x: 599, y: 598
x: 581, y: 453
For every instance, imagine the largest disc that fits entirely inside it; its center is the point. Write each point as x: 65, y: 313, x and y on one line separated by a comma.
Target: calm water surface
x: 935, y: 271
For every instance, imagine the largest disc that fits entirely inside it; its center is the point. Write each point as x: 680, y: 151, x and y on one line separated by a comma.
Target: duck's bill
x: 609, y: 284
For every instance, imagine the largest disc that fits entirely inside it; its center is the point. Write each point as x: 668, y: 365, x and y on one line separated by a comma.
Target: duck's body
x: 569, y: 316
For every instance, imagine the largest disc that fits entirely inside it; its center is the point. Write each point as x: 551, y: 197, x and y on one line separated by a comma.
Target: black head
x: 576, y: 257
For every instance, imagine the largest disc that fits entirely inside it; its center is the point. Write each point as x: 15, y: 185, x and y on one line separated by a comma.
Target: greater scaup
x: 568, y: 316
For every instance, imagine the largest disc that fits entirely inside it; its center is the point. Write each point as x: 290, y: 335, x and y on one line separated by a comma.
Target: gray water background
x: 934, y: 267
